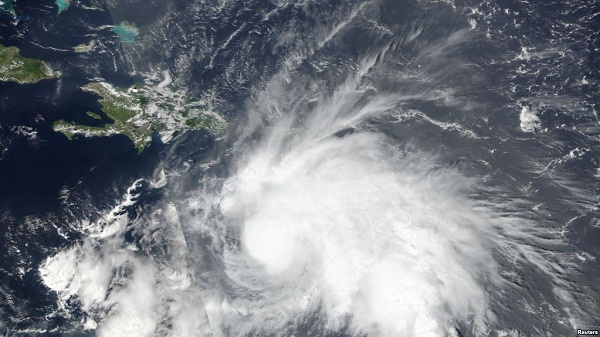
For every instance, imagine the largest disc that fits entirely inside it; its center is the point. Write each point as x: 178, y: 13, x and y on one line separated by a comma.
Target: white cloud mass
x: 322, y: 223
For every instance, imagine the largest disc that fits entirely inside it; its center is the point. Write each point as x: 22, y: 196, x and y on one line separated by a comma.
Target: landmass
x: 16, y: 68
x: 126, y: 31
x: 63, y: 5
x: 141, y: 111
x: 94, y: 115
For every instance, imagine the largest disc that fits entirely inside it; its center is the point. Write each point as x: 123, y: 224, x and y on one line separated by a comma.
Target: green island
x: 94, y: 115
x: 16, y: 68
x: 141, y: 111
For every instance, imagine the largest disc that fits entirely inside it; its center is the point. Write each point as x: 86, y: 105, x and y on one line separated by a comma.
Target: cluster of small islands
x: 138, y: 112
x: 7, y: 6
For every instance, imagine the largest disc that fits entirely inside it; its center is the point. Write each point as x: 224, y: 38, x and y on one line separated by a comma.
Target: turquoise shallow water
x: 126, y: 31
x: 63, y: 5
x: 293, y: 62
x: 7, y: 6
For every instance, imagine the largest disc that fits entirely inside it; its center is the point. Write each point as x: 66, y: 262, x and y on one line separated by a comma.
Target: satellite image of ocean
x: 299, y: 168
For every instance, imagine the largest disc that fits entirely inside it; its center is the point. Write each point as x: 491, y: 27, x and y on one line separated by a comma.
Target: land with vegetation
x: 141, y: 111
x: 16, y: 68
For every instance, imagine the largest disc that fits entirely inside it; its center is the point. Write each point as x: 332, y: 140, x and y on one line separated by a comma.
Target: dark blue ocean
x: 35, y: 169
x: 537, y: 55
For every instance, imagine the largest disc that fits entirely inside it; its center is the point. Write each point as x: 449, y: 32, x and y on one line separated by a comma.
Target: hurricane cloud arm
x: 382, y: 174
x: 373, y: 236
